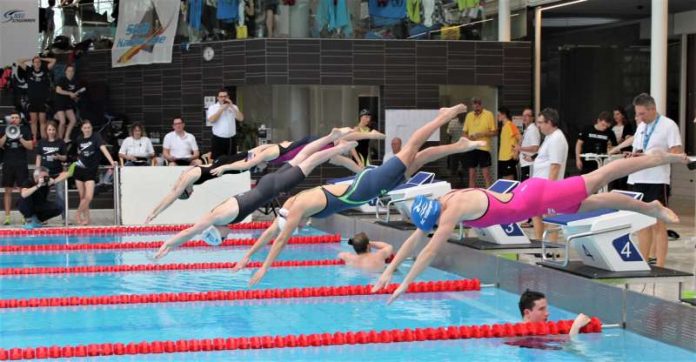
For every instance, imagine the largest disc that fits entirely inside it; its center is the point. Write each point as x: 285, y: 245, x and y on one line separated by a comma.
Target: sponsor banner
x: 145, y: 32
x: 19, y: 30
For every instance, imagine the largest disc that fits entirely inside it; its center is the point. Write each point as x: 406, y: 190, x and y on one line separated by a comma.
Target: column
x: 658, y: 53
x: 503, y: 20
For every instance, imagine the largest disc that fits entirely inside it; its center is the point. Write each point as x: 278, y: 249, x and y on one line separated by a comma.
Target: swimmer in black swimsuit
x: 256, y: 157
x: 237, y: 208
x: 329, y: 199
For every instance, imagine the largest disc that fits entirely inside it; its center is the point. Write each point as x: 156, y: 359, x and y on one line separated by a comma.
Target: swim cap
x: 282, y: 218
x: 187, y: 193
x: 212, y: 236
x: 425, y: 212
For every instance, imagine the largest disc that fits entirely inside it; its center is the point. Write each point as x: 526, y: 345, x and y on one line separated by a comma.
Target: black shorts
x: 652, y: 192
x: 14, y: 175
x: 477, y: 158
x: 272, y: 6
x: 64, y: 106
x: 507, y: 168
x: 86, y: 174
x: 524, y: 172
x: 181, y: 161
x: 37, y: 106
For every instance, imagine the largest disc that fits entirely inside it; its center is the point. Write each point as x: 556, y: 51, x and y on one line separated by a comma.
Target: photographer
x: 34, y: 204
x: 222, y: 116
x: 16, y: 140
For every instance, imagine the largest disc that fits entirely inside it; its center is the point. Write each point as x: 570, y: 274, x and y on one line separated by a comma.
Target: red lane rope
x: 501, y: 330
x: 160, y: 267
x: 218, y: 295
x: 318, y: 239
x: 120, y: 229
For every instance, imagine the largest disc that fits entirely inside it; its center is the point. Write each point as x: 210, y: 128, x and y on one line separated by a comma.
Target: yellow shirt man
x: 479, y: 124
x: 509, y: 137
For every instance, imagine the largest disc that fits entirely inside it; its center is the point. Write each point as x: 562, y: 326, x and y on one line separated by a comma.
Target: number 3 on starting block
x: 512, y: 229
x: 627, y: 251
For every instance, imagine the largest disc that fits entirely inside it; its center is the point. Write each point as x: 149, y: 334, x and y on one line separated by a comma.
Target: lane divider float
x: 232, y: 295
x: 502, y: 330
x: 87, y: 269
x: 130, y: 245
x: 97, y: 230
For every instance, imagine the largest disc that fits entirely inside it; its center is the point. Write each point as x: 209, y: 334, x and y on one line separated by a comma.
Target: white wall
x: 142, y: 188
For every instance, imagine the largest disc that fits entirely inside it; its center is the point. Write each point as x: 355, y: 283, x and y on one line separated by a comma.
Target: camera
x: 46, y: 179
x: 13, y: 132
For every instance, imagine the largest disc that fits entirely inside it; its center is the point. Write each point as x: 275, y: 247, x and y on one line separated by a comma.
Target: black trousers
x: 222, y: 146
x: 44, y: 211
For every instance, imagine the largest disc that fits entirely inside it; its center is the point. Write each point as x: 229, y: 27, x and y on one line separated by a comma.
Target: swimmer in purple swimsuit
x: 533, y: 197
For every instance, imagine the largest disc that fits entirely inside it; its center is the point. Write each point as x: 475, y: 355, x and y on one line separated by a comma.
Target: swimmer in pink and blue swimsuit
x: 534, y: 197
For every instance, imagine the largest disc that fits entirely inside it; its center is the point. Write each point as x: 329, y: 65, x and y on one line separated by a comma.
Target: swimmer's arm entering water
x: 186, y: 179
x: 293, y: 221
x: 426, y: 256
x: 264, y: 239
x: 185, y: 235
x: 404, y: 252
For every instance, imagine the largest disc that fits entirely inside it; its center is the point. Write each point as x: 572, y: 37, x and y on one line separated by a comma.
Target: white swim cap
x: 212, y: 236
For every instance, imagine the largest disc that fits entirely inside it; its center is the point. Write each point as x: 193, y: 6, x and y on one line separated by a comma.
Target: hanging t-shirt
x: 394, y: 9
x: 48, y: 150
x: 88, y: 151
x: 195, y: 13
x: 15, y: 153
x: 39, y: 85
x: 227, y: 9
x: 595, y: 141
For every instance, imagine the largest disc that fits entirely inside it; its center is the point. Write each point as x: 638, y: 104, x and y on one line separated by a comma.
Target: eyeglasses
x: 177, y: 123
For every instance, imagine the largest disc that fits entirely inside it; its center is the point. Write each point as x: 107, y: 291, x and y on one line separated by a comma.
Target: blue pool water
x: 171, y: 321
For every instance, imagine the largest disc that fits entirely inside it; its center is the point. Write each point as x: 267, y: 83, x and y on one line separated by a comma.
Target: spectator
x: 34, y: 204
x: 271, y: 9
x: 137, y: 149
x: 530, y: 143
x: 67, y: 95
x: 454, y: 131
x: 479, y: 125
x: 223, y: 116
x: 395, y: 148
x: 14, y: 168
x: 39, y: 89
x: 70, y: 28
x: 362, y: 152
x: 597, y: 139
x: 50, y: 154
x: 623, y: 128
x: 509, y: 141
x: 653, y: 131
x: 550, y: 163
x: 180, y: 147
x: 50, y: 26
x: 89, y: 145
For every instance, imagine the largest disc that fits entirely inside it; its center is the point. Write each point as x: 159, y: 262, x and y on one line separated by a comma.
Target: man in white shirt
x: 653, y: 131
x: 531, y: 139
x: 180, y: 147
x: 222, y: 116
x: 550, y: 162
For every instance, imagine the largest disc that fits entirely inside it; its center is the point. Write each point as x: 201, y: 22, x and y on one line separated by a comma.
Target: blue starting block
x: 602, y: 238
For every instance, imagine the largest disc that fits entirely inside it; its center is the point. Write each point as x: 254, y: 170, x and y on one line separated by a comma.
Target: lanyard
x: 648, y: 133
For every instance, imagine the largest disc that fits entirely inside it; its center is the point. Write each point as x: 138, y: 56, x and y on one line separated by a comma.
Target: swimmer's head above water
x: 360, y: 243
x: 533, y: 306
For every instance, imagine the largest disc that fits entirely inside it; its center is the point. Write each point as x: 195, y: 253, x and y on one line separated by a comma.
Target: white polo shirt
x: 225, y: 126
x: 180, y: 147
x: 662, y: 133
x: 531, y: 137
x: 554, y: 149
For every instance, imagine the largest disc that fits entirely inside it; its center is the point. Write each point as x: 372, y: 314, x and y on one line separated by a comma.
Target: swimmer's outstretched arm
x: 185, y: 235
x: 264, y: 239
x: 293, y: 221
x: 184, y: 181
x: 426, y: 256
x: 404, y: 252
x: 267, y: 154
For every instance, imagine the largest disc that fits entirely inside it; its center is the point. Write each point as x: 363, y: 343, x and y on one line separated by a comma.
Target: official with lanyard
x: 654, y: 131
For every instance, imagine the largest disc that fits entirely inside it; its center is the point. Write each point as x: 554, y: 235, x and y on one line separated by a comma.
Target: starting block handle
x: 569, y: 239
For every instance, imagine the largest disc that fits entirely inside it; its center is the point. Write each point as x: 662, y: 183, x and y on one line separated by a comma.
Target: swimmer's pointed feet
x: 454, y: 110
x: 465, y: 144
x: 663, y: 213
x: 669, y: 157
x: 337, y: 133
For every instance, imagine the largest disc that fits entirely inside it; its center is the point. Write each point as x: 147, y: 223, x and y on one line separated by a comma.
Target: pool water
x: 172, y: 321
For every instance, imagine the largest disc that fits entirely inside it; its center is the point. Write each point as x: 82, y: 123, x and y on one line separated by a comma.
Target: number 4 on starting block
x: 627, y: 251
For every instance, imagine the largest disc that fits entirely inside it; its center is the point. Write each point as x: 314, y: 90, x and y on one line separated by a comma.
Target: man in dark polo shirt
x: 594, y: 139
